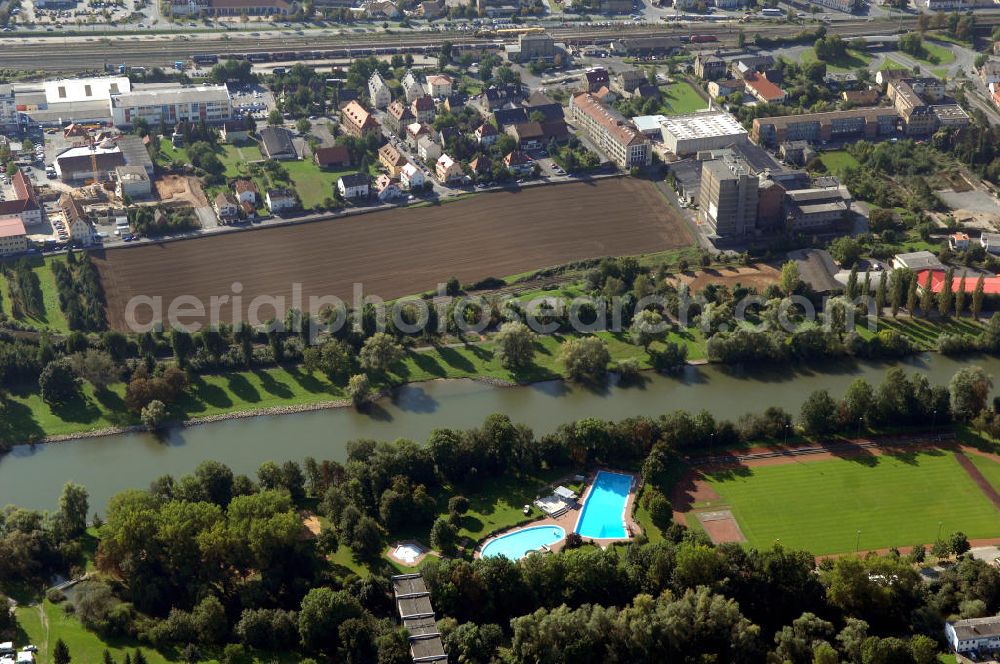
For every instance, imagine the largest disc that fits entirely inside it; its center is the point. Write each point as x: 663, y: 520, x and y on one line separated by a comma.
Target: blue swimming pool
x: 516, y: 544
x: 603, y: 513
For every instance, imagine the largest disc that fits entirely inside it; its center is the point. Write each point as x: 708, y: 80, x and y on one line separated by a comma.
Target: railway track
x: 70, y: 54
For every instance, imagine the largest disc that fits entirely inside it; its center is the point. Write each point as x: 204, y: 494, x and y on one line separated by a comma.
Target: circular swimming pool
x: 518, y: 543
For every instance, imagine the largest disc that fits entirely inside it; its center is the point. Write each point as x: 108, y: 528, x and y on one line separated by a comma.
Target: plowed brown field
x: 401, y: 252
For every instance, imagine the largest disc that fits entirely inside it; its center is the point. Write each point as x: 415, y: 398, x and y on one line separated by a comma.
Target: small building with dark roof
x: 276, y: 143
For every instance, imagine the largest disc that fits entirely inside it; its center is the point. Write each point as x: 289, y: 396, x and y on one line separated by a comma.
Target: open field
x: 399, y: 252
x: 680, y: 98
x: 852, y: 60
x: 836, y: 161
x: 52, y: 318
x: 758, y: 276
x: 820, y: 505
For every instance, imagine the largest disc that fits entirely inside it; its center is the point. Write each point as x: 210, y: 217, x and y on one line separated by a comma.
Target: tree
x: 790, y: 277
x: 945, y: 296
x: 57, y: 383
x: 183, y: 346
x: 359, y: 389
x: 846, y: 251
x: 819, y: 413
x: 322, y: 613
x: 960, y: 298
x: 660, y: 509
x: 60, y: 654
x: 911, y: 298
x: 73, y: 509
x: 154, y: 414
x: 96, y: 367
x: 958, y: 543
x: 303, y: 125
x: 443, y: 536
x: 969, y: 390
x: 515, y: 345
x: 880, y: 293
x: 977, y: 298
x: 274, y: 117
x: 647, y: 327
x: 927, y: 297
x: 379, y: 352
x: 585, y: 359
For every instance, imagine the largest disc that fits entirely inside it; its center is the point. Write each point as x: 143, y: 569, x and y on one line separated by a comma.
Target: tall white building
x: 210, y: 103
x: 694, y: 132
x: 378, y: 91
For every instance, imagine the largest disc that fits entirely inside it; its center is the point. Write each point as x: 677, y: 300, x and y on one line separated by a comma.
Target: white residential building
x: 280, y: 199
x: 617, y: 137
x: 438, y: 85
x: 973, y: 635
x: 427, y: 149
x: 13, y: 236
x: 411, y: 177
x: 413, y: 85
x: 210, y: 103
x: 378, y: 91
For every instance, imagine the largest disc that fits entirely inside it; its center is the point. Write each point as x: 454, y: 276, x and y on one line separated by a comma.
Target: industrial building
x: 9, y: 119
x: 706, y: 130
x: 210, y: 103
x: 728, y: 198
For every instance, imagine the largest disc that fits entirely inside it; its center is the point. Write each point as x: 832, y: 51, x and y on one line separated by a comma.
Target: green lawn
x: 52, y: 318
x: 852, y: 60
x: 313, y: 184
x: 938, y: 54
x: 836, y: 161
x: 893, y: 500
x: 84, y: 646
x: 925, y: 333
x: 988, y: 467
x: 680, y: 98
x: 890, y: 64
x: 233, y: 157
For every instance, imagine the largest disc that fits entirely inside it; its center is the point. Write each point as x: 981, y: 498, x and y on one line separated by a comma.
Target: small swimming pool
x: 603, y: 513
x: 516, y: 544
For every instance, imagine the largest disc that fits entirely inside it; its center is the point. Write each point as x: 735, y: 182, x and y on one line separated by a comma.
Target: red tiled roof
x: 991, y: 285
x: 242, y: 186
x: 624, y: 133
x: 765, y: 89
x: 11, y: 228
x: 335, y: 154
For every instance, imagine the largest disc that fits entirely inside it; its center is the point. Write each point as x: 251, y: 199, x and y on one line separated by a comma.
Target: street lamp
x: 934, y: 422
x: 860, y: 420
x: 787, y: 427
x: 857, y: 542
x: 939, y: 533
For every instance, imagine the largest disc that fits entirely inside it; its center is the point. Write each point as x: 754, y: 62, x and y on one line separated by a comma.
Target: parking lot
x: 252, y: 101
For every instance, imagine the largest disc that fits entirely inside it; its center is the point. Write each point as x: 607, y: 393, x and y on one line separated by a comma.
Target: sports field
x: 821, y: 505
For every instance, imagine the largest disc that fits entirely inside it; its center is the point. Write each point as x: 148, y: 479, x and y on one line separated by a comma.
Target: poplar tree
x: 977, y: 298
x: 960, y: 298
x: 880, y: 296
x: 911, y: 298
x: 927, y: 297
x: 945, y: 296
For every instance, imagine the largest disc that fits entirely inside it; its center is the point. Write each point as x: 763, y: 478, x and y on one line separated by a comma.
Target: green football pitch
x: 892, y: 500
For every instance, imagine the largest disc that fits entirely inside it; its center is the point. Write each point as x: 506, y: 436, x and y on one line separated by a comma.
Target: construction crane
x: 93, y: 158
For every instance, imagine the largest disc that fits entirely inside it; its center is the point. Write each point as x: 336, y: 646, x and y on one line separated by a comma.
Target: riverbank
x: 284, y: 389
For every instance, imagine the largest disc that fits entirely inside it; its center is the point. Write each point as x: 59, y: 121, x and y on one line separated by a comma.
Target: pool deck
x: 426, y: 551
x: 569, y: 519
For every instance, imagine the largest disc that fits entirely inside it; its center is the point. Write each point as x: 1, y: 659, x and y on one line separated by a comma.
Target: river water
x: 33, y: 476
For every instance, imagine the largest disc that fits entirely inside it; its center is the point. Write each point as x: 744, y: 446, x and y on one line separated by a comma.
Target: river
x: 33, y: 476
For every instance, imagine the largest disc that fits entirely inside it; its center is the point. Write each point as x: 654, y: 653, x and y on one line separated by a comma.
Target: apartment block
x: 619, y: 138
x: 858, y: 123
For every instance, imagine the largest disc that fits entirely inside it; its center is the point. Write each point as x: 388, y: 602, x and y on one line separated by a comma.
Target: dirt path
x: 976, y: 476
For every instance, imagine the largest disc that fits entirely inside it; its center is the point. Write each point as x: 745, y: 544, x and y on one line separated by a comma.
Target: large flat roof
x: 85, y: 89
x: 706, y: 124
x: 194, y: 93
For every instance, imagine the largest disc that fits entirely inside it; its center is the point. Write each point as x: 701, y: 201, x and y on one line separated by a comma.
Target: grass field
x: 893, y: 500
x: 851, y: 61
x: 836, y: 161
x: 937, y: 54
x: 53, y: 318
x: 988, y: 467
x: 680, y: 98
x: 890, y: 64
x: 84, y: 646
x: 312, y: 183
